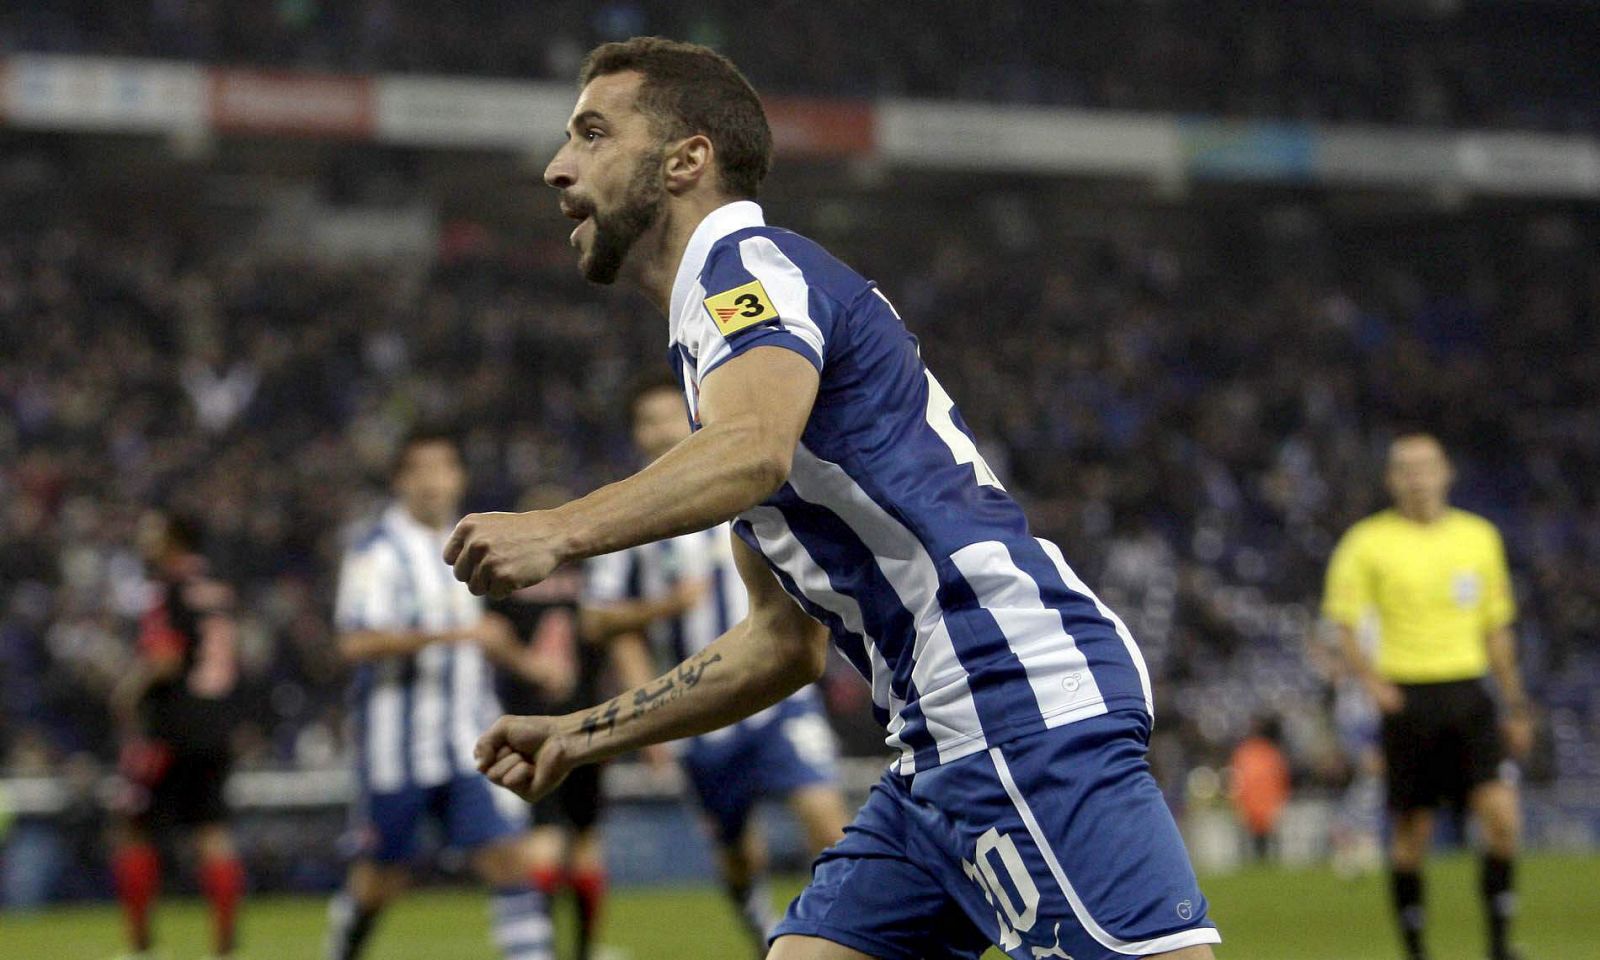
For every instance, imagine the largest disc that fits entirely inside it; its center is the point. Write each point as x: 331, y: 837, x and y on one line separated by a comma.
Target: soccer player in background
x: 175, y: 711
x: 1437, y: 581
x: 1020, y: 809
x: 552, y: 671
x: 671, y: 599
x: 421, y: 690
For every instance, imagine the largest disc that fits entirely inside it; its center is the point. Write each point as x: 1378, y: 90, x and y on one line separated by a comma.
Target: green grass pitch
x: 1265, y: 914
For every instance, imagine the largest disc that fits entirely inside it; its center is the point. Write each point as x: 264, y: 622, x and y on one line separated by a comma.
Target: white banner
x: 1526, y: 163
x: 966, y: 136
x: 1385, y: 156
x: 96, y: 93
x: 436, y: 111
x: 152, y: 96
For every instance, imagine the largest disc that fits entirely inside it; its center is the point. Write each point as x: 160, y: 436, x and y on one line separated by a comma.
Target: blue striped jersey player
x: 661, y: 603
x: 1019, y: 809
x: 422, y: 691
x: 805, y: 753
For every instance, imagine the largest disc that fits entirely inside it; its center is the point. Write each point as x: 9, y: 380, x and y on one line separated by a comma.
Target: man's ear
x: 688, y: 162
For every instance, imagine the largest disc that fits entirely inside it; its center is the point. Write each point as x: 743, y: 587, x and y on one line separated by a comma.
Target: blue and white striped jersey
x: 416, y: 719
x: 891, y: 529
x: 652, y: 571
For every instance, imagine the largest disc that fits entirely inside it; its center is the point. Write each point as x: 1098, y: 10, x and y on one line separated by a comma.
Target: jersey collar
x: 398, y: 517
x: 726, y: 219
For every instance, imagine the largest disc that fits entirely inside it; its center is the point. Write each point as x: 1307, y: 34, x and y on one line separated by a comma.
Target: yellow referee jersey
x: 1438, y: 589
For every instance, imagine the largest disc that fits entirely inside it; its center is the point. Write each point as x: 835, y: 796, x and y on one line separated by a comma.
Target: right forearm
x: 741, y: 673
x: 362, y: 645
x: 767, y: 656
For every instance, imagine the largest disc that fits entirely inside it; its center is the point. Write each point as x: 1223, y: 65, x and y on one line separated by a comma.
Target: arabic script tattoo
x: 605, y: 720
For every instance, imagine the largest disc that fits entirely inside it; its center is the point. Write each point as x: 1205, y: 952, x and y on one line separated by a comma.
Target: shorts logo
x: 744, y: 306
x: 1467, y: 588
x: 1040, y: 953
x: 1185, y: 909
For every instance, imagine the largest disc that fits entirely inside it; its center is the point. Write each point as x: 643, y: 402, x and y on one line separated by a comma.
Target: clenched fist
x: 526, y: 755
x: 497, y: 553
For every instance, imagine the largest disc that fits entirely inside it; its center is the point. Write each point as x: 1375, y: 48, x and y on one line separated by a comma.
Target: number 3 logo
x: 753, y: 307
x: 1014, y: 919
x: 743, y: 306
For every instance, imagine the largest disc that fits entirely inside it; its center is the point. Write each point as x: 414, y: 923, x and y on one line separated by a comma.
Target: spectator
x: 1259, y: 784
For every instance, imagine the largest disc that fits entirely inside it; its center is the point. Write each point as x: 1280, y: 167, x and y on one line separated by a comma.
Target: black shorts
x: 1444, y: 742
x: 576, y: 803
x: 188, y: 792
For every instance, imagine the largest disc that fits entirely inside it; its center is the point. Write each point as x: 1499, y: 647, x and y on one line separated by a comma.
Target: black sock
x: 584, y: 948
x: 348, y: 928
x: 1498, y: 902
x: 1406, y: 888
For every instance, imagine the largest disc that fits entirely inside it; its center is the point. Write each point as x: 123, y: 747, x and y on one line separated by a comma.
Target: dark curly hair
x: 690, y: 89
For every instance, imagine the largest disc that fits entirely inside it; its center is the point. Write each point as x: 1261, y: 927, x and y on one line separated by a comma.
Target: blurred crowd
x: 1434, y: 62
x: 1196, y: 413
x: 1193, y: 405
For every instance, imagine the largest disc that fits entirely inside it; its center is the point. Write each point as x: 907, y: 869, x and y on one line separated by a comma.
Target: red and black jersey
x: 191, y: 618
x: 545, y: 616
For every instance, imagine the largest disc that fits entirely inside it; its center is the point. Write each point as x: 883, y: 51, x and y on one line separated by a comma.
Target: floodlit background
x: 1185, y: 267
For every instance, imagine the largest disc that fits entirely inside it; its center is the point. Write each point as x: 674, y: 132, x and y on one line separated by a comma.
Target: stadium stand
x: 1496, y: 63
x: 1193, y: 409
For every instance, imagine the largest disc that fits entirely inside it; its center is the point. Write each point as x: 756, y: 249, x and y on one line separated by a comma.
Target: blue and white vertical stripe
x: 892, y: 529
x: 417, y: 718
x: 998, y: 638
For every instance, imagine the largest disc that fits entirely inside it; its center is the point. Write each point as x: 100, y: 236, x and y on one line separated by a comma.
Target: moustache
x: 577, y: 209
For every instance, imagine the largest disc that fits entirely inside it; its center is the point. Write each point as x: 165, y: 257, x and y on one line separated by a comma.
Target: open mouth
x: 573, y: 238
x: 583, y: 214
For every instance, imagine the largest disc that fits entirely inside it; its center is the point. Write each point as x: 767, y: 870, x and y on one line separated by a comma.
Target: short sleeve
x: 368, y: 595
x: 1499, y: 605
x: 1348, y: 594
x: 757, y: 295
x: 611, y: 578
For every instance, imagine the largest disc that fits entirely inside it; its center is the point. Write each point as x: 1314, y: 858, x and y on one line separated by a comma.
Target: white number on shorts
x: 1014, y: 920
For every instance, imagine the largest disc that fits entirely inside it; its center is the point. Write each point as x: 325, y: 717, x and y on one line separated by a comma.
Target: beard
x: 616, y: 231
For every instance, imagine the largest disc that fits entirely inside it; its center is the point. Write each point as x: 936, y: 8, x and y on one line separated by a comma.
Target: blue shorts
x: 386, y: 824
x: 1056, y: 844
x: 730, y: 771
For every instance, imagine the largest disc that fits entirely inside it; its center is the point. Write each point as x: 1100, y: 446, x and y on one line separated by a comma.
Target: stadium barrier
x: 305, y: 789
x: 1558, y: 814
x: 191, y: 102
x: 294, y: 830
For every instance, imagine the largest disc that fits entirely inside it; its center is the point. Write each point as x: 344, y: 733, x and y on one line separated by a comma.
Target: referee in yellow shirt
x: 1436, y: 579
